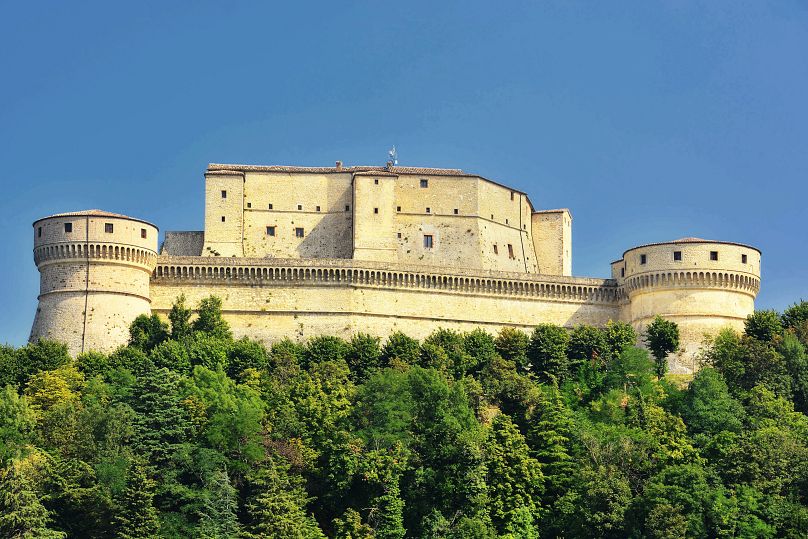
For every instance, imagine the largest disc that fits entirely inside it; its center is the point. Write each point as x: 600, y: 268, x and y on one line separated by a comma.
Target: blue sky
x: 649, y: 120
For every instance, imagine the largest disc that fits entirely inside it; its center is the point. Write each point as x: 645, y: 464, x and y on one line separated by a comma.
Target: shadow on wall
x: 331, y: 237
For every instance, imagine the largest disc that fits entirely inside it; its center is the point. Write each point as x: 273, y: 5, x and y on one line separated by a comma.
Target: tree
x: 172, y: 355
x: 481, y: 347
x: 796, y: 361
x: 276, y: 504
x: 325, y: 348
x: 514, y: 477
x: 218, y: 519
x: 596, y: 503
x: 246, y: 354
x: 146, y: 332
x: 180, y: 318
x: 400, y: 350
x: 620, y: 336
x: 22, y: 515
x: 453, y: 344
x: 708, y: 407
x: 512, y: 345
x: 136, y: 517
x: 547, y: 352
x: 17, y: 423
x: 42, y: 355
x: 763, y: 325
x: 587, y: 344
x: 209, y: 319
x: 364, y: 356
x: 662, y: 338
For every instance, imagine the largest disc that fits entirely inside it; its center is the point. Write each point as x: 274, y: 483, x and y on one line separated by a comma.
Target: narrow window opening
x: 39, y: 232
x: 249, y: 204
x: 506, y: 221
x: 300, y: 206
x: 69, y: 228
x: 318, y: 208
x: 496, y: 250
x: 223, y: 218
x: 224, y: 193
x: 270, y: 231
x: 108, y: 228
x: 427, y: 241
x: 429, y: 210
x: 622, y: 272
x: 375, y: 210
x: 713, y: 255
x: 299, y: 232
x: 424, y: 184
x: 743, y: 259
x: 399, y: 235
x: 143, y: 233
x: 677, y: 255
x: 456, y: 211
x: 398, y: 208
x: 643, y: 259
x: 511, y: 195
x: 492, y: 216
x: 347, y: 208
x: 510, y: 252
x: 270, y: 206
x: 376, y: 181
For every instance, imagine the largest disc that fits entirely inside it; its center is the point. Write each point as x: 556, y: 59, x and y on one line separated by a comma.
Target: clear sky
x: 649, y: 120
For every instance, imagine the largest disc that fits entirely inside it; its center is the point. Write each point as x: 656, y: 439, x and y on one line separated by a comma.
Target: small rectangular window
x: 143, y: 233
x: 511, y: 195
x: 108, y: 228
x: 398, y: 235
x: 456, y: 211
x: 270, y: 206
x: 224, y: 193
x: 300, y: 206
x: 398, y: 208
x: 347, y: 208
x: 622, y: 272
x: 743, y: 259
x: 506, y: 221
x: 299, y: 232
x: 643, y: 259
x: 318, y: 208
x: 492, y: 216
x: 496, y: 250
x: 223, y: 218
x: 424, y: 184
x: 510, y: 251
x: 376, y: 181
x: 713, y: 255
x: 39, y: 232
x: 375, y: 210
x: 249, y: 204
x: 270, y: 231
x: 429, y: 210
x: 677, y: 255
x: 69, y: 228
x: 427, y: 241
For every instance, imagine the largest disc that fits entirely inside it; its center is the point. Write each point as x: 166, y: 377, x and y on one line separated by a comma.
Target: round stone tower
x: 94, y: 270
x: 701, y: 285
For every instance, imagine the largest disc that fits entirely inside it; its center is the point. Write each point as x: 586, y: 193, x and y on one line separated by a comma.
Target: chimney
x: 339, y: 165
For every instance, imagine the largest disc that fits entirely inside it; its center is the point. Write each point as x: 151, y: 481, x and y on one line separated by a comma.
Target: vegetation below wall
x: 189, y: 433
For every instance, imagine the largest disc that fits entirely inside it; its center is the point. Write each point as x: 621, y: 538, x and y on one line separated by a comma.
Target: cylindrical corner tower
x: 94, y: 270
x: 701, y: 285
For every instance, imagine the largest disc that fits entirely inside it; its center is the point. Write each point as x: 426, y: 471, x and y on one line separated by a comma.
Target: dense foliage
x: 188, y: 432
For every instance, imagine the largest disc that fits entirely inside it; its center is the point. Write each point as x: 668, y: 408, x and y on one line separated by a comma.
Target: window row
x: 108, y: 228
x: 299, y: 231
x: 677, y: 257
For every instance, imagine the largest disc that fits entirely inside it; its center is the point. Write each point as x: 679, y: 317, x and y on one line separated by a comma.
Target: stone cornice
x: 96, y: 251
x: 725, y: 280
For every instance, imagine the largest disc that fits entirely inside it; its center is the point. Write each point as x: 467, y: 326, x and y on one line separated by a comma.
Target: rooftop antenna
x: 393, y: 156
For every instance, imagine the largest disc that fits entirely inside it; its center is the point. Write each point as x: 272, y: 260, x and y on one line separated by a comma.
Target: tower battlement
x: 300, y: 251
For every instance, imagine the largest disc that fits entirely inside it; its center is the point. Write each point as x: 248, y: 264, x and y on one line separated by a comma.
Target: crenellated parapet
x: 346, y: 272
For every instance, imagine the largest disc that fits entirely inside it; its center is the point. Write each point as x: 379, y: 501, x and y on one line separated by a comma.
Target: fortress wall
x: 327, y: 231
x: 273, y: 302
x: 374, y: 218
x: 552, y: 240
x: 224, y: 237
x: 504, y: 221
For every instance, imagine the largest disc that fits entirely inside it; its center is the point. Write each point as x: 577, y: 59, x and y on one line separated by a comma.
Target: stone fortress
x: 303, y: 251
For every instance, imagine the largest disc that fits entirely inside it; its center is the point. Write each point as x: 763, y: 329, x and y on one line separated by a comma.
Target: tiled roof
x: 216, y: 168
x: 94, y: 213
x: 183, y: 243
